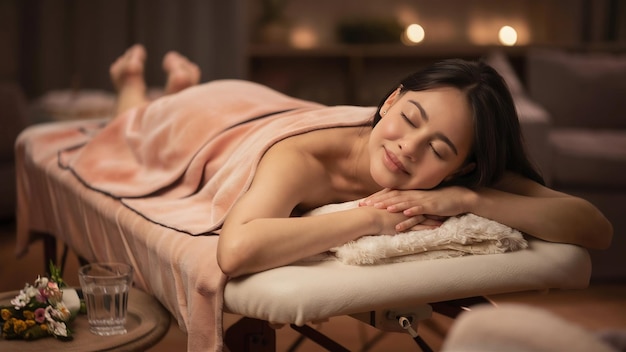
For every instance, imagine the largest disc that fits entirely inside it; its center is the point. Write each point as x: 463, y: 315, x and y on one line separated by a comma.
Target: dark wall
x: 71, y: 43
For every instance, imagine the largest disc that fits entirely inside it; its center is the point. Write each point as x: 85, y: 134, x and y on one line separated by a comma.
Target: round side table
x: 146, y: 321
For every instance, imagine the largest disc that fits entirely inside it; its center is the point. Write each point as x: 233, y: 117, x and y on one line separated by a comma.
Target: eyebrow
x: 421, y: 109
x: 440, y: 136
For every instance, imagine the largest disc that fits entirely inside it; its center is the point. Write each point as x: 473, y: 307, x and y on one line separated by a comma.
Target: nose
x: 411, y: 145
x: 408, y: 149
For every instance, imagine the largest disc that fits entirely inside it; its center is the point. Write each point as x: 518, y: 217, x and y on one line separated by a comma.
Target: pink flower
x: 41, y: 297
x: 53, y: 293
x: 40, y: 315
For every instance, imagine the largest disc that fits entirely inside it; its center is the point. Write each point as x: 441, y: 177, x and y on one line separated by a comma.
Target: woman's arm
x: 544, y: 213
x: 515, y: 201
x: 259, y: 233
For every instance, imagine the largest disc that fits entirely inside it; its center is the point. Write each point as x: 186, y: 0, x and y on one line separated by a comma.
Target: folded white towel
x: 457, y: 236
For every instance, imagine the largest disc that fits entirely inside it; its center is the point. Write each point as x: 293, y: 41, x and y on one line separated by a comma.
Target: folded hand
x: 424, y: 209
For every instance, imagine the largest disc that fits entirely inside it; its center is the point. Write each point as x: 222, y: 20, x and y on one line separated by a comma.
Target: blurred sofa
x: 572, y: 108
x: 13, y: 118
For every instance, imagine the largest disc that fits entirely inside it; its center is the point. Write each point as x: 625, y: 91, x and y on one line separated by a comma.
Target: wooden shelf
x: 350, y: 74
x: 379, y: 50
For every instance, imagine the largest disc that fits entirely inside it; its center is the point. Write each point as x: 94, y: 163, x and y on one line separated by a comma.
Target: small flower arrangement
x: 43, y: 309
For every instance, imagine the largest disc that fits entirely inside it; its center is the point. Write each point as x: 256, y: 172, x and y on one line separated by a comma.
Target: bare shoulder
x: 294, y: 175
x: 286, y: 177
x: 294, y: 167
x: 291, y: 159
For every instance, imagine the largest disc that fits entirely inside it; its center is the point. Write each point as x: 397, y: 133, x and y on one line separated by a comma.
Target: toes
x: 129, y: 66
x: 136, y: 54
x: 135, y: 58
x: 181, y: 73
x: 173, y: 61
x: 170, y: 60
x: 137, y: 51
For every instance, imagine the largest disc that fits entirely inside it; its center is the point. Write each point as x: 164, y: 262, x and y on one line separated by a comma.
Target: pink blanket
x: 183, y: 160
x: 177, y: 269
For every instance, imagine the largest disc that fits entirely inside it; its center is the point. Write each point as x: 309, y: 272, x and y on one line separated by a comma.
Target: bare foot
x: 181, y: 73
x: 127, y: 77
x: 127, y: 70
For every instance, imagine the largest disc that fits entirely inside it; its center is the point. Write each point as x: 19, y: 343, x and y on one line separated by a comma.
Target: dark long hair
x: 498, y: 143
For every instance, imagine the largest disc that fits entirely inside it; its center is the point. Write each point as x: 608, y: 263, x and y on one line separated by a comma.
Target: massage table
x: 175, y: 267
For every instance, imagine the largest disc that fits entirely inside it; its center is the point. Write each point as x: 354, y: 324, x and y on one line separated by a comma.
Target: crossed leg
x: 127, y: 75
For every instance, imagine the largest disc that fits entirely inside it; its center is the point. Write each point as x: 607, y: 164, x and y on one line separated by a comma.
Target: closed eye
x: 435, y: 151
x: 406, y: 118
x: 432, y: 147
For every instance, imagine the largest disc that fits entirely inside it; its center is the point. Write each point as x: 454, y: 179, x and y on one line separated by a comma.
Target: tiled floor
x: 600, y: 307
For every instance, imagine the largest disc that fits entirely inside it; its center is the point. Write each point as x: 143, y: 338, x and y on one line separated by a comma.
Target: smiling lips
x: 392, y: 163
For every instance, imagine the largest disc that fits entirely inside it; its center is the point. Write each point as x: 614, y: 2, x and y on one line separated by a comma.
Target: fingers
x: 419, y: 222
x: 409, y: 210
x: 376, y: 197
x: 393, y: 201
x: 409, y: 223
x: 421, y: 209
x: 418, y: 227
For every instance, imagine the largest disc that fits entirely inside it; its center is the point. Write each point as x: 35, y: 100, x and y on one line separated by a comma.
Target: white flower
x: 57, y: 328
x: 61, y: 312
x: 49, y: 313
x: 41, y: 282
x: 58, y: 312
x: 21, y: 300
x: 31, y: 291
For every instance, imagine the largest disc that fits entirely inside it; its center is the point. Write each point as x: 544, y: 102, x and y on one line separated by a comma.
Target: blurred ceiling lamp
x: 413, y: 34
x: 507, y: 36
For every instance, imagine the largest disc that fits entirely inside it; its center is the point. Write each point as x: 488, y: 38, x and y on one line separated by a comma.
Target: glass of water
x: 105, y: 288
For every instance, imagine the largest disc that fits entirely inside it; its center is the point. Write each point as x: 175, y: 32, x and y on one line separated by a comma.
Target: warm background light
x: 507, y: 35
x: 303, y: 37
x: 413, y: 34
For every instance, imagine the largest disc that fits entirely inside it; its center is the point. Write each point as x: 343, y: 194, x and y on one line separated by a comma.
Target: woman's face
x: 423, y: 138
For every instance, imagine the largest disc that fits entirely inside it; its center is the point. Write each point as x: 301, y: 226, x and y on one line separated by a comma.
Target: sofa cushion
x: 579, y: 90
x: 588, y: 158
